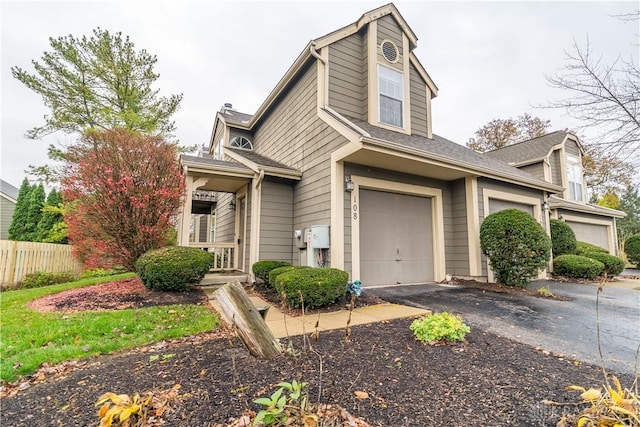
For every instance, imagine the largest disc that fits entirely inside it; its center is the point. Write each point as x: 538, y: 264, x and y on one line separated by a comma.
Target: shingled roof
x: 531, y: 149
x: 233, y: 116
x: 8, y: 189
x: 259, y: 159
x: 443, y: 149
x: 211, y: 162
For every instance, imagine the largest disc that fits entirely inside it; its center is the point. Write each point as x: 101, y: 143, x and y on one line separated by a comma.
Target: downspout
x: 315, y: 54
x: 256, y: 201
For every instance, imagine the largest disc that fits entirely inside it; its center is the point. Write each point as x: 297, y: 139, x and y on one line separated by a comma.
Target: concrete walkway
x: 283, y: 325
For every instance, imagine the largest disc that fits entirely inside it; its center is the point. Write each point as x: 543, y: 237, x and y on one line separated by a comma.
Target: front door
x: 241, y: 218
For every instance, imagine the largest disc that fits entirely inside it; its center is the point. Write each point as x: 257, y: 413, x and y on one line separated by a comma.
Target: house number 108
x: 354, y: 207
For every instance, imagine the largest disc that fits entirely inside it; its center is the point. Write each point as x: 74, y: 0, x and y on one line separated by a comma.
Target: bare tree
x: 605, y: 98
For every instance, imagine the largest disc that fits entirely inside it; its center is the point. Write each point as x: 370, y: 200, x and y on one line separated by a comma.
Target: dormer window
x: 241, y: 142
x: 391, y: 94
x: 574, y: 178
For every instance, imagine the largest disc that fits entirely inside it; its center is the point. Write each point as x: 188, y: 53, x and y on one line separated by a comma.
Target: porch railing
x: 223, y: 253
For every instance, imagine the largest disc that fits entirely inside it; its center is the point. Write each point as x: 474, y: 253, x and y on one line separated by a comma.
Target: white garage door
x: 396, y: 244
x: 496, y: 205
x: 591, y: 233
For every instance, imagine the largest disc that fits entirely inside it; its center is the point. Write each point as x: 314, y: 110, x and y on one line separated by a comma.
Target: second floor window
x: 574, y: 178
x: 391, y: 92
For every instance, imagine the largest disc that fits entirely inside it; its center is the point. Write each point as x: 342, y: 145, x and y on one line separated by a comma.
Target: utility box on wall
x: 317, y: 237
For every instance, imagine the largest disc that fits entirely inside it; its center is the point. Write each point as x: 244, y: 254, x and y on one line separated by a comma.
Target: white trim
x: 372, y: 72
x: 406, y: 106
x: 473, y: 226
x: 429, y: 121
x: 437, y: 221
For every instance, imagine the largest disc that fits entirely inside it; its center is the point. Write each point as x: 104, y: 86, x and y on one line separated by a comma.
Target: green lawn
x: 29, y: 338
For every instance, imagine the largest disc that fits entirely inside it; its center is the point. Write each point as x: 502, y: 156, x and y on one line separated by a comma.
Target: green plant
x: 545, y: 292
x: 318, y: 286
x: 577, y: 266
x: 516, y: 245
x: 261, y: 269
x: 612, y: 264
x: 273, y: 274
x: 286, y: 406
x: 125, y: 411
x: 97, y: 272
x: 31, y: 338
x: 563, y: 239
x: 173, y: 268
x: 632, y: 249
x: 584, y: 247
x: 439, y: 327
x: 42, y: 278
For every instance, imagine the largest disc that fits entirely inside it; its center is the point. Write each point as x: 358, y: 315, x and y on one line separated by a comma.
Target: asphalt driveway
x: 565, y: 328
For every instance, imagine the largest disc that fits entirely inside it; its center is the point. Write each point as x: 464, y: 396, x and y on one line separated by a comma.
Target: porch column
x: 185, y: 217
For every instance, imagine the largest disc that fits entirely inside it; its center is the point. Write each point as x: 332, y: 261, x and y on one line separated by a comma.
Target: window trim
x: 234, y: 143
x: 574, y: 170
x: 401, y: 101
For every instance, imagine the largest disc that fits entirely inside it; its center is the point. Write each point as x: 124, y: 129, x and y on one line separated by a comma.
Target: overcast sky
x: 488, y: 59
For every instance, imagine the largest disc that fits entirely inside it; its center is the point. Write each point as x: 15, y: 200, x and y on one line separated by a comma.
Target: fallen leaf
x: 361, y: 394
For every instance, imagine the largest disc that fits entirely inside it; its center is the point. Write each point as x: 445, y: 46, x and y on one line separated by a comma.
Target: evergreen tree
x: 51, y: 215
x: 630, y: 224
x: 19, y: 220
x: 34, y: 213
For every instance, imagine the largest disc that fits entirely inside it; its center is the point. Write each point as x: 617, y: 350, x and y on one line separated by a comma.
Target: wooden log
x: 250, y: 326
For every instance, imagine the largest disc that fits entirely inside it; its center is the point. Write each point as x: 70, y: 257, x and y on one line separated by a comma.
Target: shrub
x: 41, y: 278
x: 563, y: 239
x: 439, y: 327
x: 632, y: 249
x: 612, y: 264
x: 584, y: 247
x: 319, y: 286
x: 577, y: 266
x: 273, y: 274
x: 173, y: 268
x: 98, y: 272
x: 261, y: 269
x: 517, y: 246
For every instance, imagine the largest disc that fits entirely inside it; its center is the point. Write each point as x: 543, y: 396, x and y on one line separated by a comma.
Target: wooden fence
x: 17, y: 259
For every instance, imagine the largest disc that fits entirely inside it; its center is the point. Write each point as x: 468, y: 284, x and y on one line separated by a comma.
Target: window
x: 241, y: 142
x: 574, y: 177
x: 390, y: 87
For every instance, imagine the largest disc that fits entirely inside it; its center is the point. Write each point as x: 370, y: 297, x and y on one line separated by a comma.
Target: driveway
x: 566, y: 328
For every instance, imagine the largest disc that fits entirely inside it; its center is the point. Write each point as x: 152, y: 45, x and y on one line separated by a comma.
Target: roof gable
x: 535, y: 149
x: 8, y: 190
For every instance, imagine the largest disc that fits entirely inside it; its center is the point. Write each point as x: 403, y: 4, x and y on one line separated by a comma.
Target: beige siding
x: 247, y: 232
x: 456, y: 239
x: 418, y: 103
x: 276, y: 223
x: 217, y: 137
x: 347, y: 77
x: 225, y: 219
x: 6, y: 216
x: 556, y: 169
x: 293, y: 135
x: 571, y: 147
x: 388, y: 29
x: 536, y: 169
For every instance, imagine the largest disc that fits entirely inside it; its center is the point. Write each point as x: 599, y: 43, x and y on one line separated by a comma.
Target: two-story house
x: 557, y: 158
x: 8, y: 199
x: 339, y: 166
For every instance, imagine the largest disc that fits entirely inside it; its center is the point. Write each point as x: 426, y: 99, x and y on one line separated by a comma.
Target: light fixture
x: 545, y: 206
x: 348, y: 185
x: 232, y: 204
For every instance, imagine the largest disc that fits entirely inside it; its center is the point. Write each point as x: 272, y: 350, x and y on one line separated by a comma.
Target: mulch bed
x: 487, y: 380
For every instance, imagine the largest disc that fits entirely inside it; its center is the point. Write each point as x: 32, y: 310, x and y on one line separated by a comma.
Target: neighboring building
x: 340, y: 167
x: 557, y: 158
x: 8, y: 199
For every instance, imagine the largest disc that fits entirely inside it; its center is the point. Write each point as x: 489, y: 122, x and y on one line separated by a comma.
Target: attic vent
x: 390, y: 51
x: 241, y: 142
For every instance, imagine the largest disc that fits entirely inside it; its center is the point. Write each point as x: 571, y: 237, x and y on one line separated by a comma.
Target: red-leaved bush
x: 124, y: 190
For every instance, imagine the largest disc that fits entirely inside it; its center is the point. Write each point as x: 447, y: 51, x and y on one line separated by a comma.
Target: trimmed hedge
x: 577, y: 266
x: 319, y: 286
x: 273, y: 274
x: 583, y: 248
x: 632, y: 249
x: 516, y: 245
x: 261, y: 269
x: 173, y: 268
x: 612, y: 264
x: 43, y: 278
x: 563, y: 239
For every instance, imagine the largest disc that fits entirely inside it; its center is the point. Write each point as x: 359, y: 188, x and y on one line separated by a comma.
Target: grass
x: 30, y: 338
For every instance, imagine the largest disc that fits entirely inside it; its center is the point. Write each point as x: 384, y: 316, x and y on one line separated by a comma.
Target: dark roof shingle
x: 531, y: 149
x: 259, y: 159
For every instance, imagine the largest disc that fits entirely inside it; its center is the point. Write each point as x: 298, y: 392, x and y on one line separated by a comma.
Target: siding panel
x: 347, y: 79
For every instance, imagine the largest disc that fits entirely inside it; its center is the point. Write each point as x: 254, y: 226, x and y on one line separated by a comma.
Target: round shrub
x: 173, y: 268
x: 273, y: 274
x: 516, y: 245
x: 583, y: 248
x: 261, y: 269
x: 632, y: 249
x: 319, y: 286
x: 577, y: 266
x: 439, y: 327
x: 612, y: 264
x: 563, y: 239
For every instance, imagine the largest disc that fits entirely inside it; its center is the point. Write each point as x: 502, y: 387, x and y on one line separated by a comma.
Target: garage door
x: 591, y: 233
x: 496, y: 205
x: 396, y: 244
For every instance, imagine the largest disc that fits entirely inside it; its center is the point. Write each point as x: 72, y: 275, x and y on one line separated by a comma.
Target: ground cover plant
x: 439, y: 327
x: 31, y: 338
